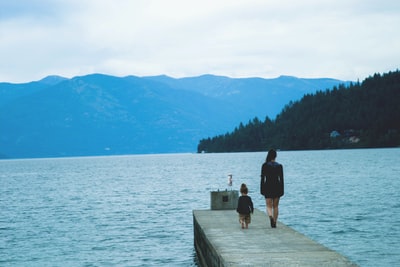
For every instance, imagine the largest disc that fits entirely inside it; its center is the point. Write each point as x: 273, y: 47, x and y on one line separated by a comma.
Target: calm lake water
x: 137, y: 210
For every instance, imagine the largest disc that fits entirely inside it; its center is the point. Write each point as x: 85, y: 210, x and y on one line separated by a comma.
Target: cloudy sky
x: 344, y: 39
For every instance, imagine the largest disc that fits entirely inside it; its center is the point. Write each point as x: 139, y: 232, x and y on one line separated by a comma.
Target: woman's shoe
x: 271, y: 220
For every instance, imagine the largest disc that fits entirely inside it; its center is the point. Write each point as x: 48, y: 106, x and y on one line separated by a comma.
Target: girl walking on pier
x: 272, y: 186
x: 244, y: 207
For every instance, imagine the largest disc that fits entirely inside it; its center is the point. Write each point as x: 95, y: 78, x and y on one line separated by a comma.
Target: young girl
x: 244, y: 207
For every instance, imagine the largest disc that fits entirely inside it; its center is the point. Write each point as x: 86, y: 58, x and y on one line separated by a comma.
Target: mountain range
x: 100, y: 114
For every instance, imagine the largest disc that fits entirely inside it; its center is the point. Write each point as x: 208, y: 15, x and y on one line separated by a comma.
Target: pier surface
x: 220, y: 241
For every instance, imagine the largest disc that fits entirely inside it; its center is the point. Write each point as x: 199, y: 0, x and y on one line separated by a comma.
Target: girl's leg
x: 241, y: 221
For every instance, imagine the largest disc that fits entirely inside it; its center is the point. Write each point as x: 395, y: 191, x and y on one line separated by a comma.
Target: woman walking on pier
x: 272, y: 186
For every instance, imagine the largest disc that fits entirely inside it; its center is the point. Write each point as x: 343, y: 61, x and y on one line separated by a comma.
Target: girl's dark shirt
x: 272, y: 184
x: 245, y: 205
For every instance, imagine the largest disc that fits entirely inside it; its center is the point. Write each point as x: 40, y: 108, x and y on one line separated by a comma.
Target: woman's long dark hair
x: 271, y: 155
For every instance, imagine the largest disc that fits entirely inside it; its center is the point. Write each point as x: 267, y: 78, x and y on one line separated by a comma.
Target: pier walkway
x: 220, y: 241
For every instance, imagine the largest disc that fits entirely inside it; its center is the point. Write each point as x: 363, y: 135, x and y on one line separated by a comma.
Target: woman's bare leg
x: 269, y: 204
x: 276, y: 208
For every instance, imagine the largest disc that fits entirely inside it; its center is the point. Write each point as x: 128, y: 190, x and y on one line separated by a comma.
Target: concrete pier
x: 220, y: 241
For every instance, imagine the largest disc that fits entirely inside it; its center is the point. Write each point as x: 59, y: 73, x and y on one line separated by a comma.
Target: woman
x: 272, y: 186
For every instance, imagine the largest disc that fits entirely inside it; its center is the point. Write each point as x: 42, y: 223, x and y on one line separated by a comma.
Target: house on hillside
x: 334, y: 134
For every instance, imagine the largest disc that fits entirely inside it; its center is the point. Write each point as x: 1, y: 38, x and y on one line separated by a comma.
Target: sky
x: 342, y: 39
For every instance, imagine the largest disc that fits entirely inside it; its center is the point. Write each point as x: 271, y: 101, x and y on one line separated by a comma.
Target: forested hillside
x: 360, y: 115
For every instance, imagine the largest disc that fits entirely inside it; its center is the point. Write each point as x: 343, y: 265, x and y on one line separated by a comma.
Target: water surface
x: 137, y: 210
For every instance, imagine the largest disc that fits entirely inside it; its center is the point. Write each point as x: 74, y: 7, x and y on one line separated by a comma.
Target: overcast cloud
x: 344, y: 39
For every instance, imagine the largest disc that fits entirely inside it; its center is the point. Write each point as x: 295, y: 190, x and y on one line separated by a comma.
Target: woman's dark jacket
x: 272, y: 185
x: 245, y: 205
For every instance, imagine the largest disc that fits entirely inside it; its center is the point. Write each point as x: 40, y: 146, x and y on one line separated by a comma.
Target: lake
x: 136, y: 210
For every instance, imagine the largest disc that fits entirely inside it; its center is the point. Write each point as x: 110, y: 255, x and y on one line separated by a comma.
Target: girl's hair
x: 271, y: 155
x: 243, y: 189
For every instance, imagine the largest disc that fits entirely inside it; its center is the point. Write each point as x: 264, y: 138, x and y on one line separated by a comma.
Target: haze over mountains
x: 106, y: 115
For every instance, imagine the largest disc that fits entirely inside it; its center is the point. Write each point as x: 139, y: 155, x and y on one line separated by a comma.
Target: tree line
x: 359, y: 115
